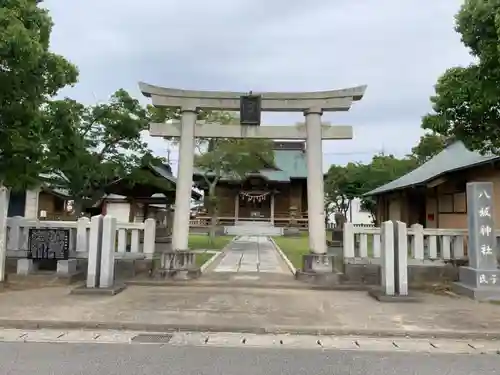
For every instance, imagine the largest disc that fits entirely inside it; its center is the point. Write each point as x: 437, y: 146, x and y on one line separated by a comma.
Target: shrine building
x: 276, y: 195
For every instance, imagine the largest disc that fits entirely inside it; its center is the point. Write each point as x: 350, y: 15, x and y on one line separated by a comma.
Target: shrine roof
x: 453, y: 158
x: 289, y: 164
x: 156, y: 185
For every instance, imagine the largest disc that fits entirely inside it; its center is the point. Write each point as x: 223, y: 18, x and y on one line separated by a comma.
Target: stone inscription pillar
x: 481, y: 279
x: 315, y: 187
x: 184, y: 180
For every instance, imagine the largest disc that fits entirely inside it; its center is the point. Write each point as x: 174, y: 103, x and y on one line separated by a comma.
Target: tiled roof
x: 453, y: 158
x: 289, y: 164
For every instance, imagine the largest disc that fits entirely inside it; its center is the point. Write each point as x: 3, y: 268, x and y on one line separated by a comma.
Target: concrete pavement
x: 89, y: 359
x: 251, y: 254
x: 249, y: 310
x: 249, y: 260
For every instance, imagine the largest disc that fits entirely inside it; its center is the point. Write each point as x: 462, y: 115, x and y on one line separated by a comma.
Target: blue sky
x: 398, y: 48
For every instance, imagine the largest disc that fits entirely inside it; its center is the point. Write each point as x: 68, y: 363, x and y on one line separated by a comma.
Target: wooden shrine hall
x: 276, y: 195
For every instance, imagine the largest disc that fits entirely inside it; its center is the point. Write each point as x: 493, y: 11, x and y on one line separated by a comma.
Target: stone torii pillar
x: 184, y: 179
x: 312, y: 104
x: 315, y: 185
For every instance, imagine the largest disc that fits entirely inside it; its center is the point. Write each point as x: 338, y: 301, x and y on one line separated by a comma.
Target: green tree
x: 94, y: 146
x: 29, y: 75
x: 342, y: 185
x: 466, y: 103
x: 382, y: 170
x: 429, y: 145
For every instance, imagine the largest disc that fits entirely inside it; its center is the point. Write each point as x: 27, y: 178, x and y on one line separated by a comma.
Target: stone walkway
x: 251, y: 254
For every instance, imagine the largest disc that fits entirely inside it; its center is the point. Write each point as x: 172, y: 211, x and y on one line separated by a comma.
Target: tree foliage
x: 29, y: 75
x: 94, y: 146
x: 344, y: 183
x: 429, y: 145
x: 466, y: 103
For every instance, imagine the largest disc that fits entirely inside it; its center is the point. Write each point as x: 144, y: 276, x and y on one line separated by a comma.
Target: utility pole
x: 168, y: 155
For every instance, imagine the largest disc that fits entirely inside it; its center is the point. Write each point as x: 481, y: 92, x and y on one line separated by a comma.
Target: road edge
x: 297, y: 330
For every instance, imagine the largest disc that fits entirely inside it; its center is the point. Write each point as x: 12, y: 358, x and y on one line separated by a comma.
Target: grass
x: 294, y: 248
x: 202, y: 242
x: 202, y: 258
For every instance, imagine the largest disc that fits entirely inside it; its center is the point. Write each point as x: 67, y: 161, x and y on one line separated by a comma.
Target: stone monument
x: 481, y: 279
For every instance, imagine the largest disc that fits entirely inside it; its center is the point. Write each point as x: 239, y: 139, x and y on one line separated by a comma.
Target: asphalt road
x: 125, y: 359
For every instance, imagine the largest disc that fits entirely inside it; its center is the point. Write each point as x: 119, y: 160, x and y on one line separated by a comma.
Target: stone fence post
x: 387, y: 258
x: 82, y: 241
x: 94, y: 258
x: 349, y: 240
x: 394, y: 263
x: 101, y: 259
x: 149, y: 238
x: 15, y: 240
x: 417, y: 245
x: 107, y: 274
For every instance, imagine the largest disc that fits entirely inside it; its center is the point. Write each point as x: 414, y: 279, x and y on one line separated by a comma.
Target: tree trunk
x: 374, y: 217
x: 4, y: 208
x: 78, y: 207
x: 212, y: 199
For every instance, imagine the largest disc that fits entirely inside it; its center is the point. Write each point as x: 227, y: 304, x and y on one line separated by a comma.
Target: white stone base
x: 26, y: 266
x: 66, y: 267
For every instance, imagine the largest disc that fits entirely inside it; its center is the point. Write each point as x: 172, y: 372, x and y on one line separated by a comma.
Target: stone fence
x: 131, y: 238
x: 422, y: 243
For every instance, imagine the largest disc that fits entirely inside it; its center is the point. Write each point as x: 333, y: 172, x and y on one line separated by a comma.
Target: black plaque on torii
x: 250, y: 109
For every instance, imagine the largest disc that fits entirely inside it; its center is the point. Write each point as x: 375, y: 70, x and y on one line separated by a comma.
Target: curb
x: 296, y: 330
x: 283, y: 256
x: 228, y: 285
x: 210, y: 261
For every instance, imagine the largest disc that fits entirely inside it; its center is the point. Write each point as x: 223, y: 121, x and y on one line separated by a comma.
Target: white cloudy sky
x: 398, y: 48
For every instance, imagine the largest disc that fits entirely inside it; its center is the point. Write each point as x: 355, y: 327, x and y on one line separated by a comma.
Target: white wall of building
x: 119, y: 210
x: 356, y: 215
x: 31, y: 206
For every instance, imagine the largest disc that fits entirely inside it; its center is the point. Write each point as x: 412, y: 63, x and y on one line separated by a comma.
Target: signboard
x: 250, y: 110
x: 48, y: 243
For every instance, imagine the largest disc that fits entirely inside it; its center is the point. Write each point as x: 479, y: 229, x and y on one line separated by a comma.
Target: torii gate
x: 312, y: 104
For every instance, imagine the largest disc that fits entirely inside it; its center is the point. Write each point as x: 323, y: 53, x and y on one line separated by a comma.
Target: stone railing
x: 202, y: 222
x: 134, y: 238
x: 362, y: 225
x: 18, y: 234
x: 423, y: 243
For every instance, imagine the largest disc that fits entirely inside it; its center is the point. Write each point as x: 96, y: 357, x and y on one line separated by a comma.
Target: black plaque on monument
x: 250, y: 110
x: 48, y: 244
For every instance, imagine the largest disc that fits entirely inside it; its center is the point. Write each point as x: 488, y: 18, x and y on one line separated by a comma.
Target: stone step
x: 252, y: 231
x: 254, y: 223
